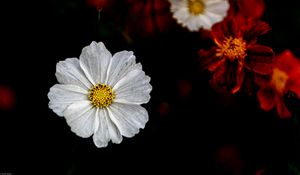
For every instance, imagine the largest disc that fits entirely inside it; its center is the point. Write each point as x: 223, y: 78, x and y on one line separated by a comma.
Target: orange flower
x: 285, y: 76
x: 236, y: 52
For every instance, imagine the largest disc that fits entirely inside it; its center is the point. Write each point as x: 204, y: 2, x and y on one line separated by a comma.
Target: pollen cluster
x: 232, y: 49
x: 195, y: 7
x: 101, y: 95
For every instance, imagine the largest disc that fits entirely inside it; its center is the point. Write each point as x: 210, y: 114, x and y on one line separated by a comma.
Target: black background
x: 36, y: 35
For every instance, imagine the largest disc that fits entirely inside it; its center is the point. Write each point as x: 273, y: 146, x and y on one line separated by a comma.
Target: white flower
x: 101, y: 94
x: 196, y: 14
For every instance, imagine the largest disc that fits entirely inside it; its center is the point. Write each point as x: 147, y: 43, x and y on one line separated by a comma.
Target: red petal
x: 260, y: 59
x: 251, y: 8
x: 266, y: 99
x: 261, y: 81
x: 282, y: 110
x: 7, y: 98
x: 293, y: 82
x: 207, y: 58
x: 239, y: 81
x: 254, y: 28
x: 215, y: 65
x: 218, y: 78
x: 230, y: 26
x: 287, y: 62
x: 219, y: 30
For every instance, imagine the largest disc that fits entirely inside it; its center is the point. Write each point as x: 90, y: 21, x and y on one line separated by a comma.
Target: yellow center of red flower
x: 101, y: 95
x: 279, y: 79
x: 232, y: 49
x: 195, y: 7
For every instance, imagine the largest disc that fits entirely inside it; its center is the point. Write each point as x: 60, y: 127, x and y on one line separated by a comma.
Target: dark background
x: 188, y: 122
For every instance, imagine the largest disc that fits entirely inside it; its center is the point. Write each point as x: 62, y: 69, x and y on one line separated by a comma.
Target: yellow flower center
x: 101, y: 95
x: 279, y: 79
x: 232, y: 48
x: 195, y: 7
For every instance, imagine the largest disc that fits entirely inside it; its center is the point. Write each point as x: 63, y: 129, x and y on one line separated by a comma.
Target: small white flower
x: 196, y: 14
x: 101, y: 94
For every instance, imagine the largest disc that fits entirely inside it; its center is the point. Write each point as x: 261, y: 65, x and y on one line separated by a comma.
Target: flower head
x: 197, y: 14
x: 98, y: 4
x: 148, y: 17
x: 100, y: 94
x: 248, y: 8
x: 285, y: 77
x: 236, y: 52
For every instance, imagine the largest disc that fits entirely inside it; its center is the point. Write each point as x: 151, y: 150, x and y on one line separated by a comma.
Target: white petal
x: 134, y: 88
x: 106, y: 130
x: 119, y: 65
x: 206, y: 23
x: 101, y: 136
x: 128, y: 118
x: 69, y: 72
x: 94, y: 61
x: 80, y: 116
x: 178, y: 4
x: 114, y: 132
x: 61, y: 96
x: 182, y: 15
x: 194, y: 23
x: 214, y: 18
x: 218, y: 7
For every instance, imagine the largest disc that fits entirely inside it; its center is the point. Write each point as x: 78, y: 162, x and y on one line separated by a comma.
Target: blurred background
x: 192, y: 129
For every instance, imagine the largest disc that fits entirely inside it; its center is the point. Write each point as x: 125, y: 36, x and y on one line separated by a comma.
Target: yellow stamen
x: 101, y: 95
x: 279, y: 79
x: 232, y: 48
x: 195, y: 7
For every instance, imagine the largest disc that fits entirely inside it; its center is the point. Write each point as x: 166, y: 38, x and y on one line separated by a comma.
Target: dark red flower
x: 98, y: 4
x: 236, y: 52
x: 228, y: 160
x: 285, y: 77
x: 247, y: 8
x: 7, y: 98
x: 147, y: 17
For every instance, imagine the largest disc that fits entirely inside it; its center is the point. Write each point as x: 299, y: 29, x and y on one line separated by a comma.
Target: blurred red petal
x: 185, y: 88
x: 146, y: 18
x: 282, y: 110
x: 164, y: 108
x: 251, y: 8
x: 228, y: 157
x: 261, y: 81
x: 287, y: 62
x: 7, y: 98
x: 98, y: 4
x: 266, y: 99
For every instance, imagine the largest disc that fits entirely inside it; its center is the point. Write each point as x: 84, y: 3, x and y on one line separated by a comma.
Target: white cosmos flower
x: 100, y: 94
x: 196, y: 14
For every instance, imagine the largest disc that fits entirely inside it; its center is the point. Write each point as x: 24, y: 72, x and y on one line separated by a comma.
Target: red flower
x: 248, y: 8
x: 7, y: 98
x: 286, y: 76
x: 146, y: 17
x: 236, y: 52
x: 98, y: 4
